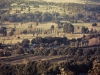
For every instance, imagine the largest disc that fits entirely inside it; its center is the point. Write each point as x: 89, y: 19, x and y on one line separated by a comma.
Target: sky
x: 61, y: 0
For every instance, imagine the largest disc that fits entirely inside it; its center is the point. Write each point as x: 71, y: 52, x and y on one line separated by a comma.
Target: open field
x: 89, y: 25
x: 43, y: 26
x: 42, y: 8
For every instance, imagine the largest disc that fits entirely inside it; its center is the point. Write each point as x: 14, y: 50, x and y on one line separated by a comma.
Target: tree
x: 68, y: 28
x: 42, y: 67
x: 29, y: 9
x: 53, y: 52
x: 47, y: 17
x: 1, y: 53
x: 20, y: 51
x: 37, y: 23
x: 7, y: 53
x: 94, y: 24
x: 3, y: 30
x: 21, y: 8
x: 52, y: 27
x: 37, y: 40
x: 25, y: 43
x: 30, y: 52
x: 84, y: 30
x: 12, y: 31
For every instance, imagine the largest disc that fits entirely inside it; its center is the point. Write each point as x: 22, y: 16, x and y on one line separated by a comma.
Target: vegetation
x: 80, y: 62
x: 68, y: 28
x: 74, y: 55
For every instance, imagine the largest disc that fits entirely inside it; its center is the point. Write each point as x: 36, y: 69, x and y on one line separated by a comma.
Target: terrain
x: 49, y: 37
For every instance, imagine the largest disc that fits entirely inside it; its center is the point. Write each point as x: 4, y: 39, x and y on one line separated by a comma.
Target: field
x: 42, y: 8
x: 49, y: 37
x: 44, y: 27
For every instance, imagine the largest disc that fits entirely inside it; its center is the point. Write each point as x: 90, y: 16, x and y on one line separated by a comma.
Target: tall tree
x: 68, y: 28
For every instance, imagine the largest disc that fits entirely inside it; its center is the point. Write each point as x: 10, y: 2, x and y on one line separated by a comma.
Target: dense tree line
x: 52, y: 45
x: 68, y: 28
x: 50, y: 40
x: 80, y: 62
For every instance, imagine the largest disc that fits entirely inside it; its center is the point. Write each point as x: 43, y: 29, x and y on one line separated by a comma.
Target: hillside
x: 61, y: 0
x: 73, y: 1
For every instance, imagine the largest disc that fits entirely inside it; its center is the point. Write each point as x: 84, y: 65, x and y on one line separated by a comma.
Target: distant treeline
x: 84, y: 13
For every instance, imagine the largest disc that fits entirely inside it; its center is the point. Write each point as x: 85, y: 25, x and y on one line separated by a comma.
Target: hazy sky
x: 61, y: 0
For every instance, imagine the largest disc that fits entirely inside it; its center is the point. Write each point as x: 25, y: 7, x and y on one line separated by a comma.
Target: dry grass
x: 42, y: 8
x: 89, y: 25
x: 43, y: 26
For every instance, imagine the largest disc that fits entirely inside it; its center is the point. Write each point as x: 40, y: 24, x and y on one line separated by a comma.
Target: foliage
x: 68, y: 28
